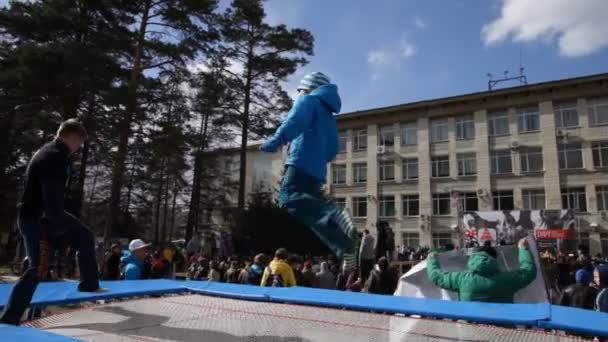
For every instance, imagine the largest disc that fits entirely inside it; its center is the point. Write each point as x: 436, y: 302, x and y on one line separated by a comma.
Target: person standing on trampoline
x: 311, y: 133
x: 42, y: 220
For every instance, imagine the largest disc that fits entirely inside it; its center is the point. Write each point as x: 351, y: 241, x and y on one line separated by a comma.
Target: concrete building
x: 417, y: 165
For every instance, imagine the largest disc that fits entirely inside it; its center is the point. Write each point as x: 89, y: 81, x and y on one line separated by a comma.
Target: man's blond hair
x: 72, y: 127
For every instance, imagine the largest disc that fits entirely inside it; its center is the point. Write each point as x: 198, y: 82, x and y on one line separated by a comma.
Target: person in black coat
x: 43, y: 221
x: 112, y: 266
x: 580, y: 295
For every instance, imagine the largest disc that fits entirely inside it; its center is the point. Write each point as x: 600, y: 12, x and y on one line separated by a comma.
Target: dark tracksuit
x: 42, y: 222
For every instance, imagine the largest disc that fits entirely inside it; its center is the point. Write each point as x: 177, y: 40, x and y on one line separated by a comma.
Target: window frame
x: 356, y: 201
x: 383, y: 131
x: 356, y: 173
x: 525, y: 161
x: 597, y: 147
x: 404, y: 128
x: 461, y: 161
x: 460, y: 123
x: 342, y: 137
x: 592, y: 106
x: 463, y: 197
x: 334, y: 170
x: 560, y: 108
x: 360, y: 140
x: 382, y: 168
x: 522, y: 119
x: 409, y: 237
x: 435, y: 123
x: 601, y: 193
x: 435, y: 166
x: 502, y: 194
x: 573, y: 195
x: 436, y: 198
x: 340, y: 202
x: 495, y: 117
x: 495, y: 157
x: 563, y: 150
x: 383, y: 206
x: 405, y: 171
x: 440, y: 239
x: 531, y: 196
x: 406, y: 200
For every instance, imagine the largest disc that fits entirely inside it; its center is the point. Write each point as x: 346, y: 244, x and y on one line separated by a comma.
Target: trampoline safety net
x: 204, y: 318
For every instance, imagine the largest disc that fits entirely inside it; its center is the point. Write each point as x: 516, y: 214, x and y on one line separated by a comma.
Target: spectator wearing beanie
x: 580, y: 295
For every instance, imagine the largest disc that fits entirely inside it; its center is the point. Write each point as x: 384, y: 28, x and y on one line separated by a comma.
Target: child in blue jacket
x: 311, y: 132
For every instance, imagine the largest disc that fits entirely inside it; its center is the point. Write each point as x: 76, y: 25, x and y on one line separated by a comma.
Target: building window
x: 386, y: 136
x: 465, y: 127
x: 570, y: 156
x: 340, y: 202
x: 498, y: 124
x: 442, y: 239
x: 583, y: 238
x: 440, y: 166
x: 441, y: 204
x: 574, y: 199
x: 604, y: 242
x: 598, y: 111
x: 501, y: 162
x: 602, y: 198
x: 439, y: 130
x: 534, y: 199
x: 531, y: 159
x: 409, y: 169
x: 411, y: 205
x: 386, y: 206
x: 359, y: 206
x: 467, y: 164
x: 386, y: 170
x: 503, y: 200
x: 528, y: 119
x: 409, y: 134
x: 468, y: 201
x: 360, y: 139
x: 338, y: 174
x: 600, y: 154
x: 410, y: 240
x: 341, y: 141
x: 360, y: 173
x: 566, y: 115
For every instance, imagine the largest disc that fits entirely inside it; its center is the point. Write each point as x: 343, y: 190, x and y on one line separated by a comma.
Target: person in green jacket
x: 483, y: 281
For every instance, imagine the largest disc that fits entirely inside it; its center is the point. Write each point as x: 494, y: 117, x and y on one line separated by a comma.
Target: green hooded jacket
x: 483, y: 281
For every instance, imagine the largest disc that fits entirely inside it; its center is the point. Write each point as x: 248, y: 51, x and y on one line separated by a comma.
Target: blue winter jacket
x: 311, y: 128
x: 133, y: 266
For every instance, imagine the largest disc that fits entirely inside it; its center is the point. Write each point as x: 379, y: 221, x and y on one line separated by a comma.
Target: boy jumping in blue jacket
x: 311, y: 131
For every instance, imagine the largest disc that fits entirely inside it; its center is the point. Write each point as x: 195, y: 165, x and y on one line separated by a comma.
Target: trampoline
x: 202, y: 311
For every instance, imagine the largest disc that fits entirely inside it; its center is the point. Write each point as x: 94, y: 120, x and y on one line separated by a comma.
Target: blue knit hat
x: 314, y: 80
x: 583, y: 277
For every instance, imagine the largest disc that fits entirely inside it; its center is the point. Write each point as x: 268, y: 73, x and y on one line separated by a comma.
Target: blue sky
x: 387, y: 52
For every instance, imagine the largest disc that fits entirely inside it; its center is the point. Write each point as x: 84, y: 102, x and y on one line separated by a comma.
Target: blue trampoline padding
x: 11, y: 333
x: 520, y: 314
x: 66, y: 292
x: 577, y: 320
x: 236, y: 291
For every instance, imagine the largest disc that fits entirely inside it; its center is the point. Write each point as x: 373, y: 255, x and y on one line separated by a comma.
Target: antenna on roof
x: 523, y: 80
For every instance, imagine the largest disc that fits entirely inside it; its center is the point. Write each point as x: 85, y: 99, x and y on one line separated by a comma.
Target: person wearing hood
x: 311, y: 133
x: 256, y: 270
x: 326, y: 279
x: 134, y: 260
x: 382, y: 280
x: 483, y: 281
x: 580, y: 295
x: 601, y: 279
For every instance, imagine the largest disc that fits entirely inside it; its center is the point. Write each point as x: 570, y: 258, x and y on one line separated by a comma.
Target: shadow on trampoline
x: 148, y: 325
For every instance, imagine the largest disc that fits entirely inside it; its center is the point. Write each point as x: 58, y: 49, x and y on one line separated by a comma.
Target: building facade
x: 420, y: 165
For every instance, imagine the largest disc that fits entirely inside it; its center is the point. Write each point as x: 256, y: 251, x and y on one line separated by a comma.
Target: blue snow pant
x: 300, y: 195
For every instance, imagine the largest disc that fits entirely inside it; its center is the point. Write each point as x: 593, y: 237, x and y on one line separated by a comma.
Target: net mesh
x: 204, y: 318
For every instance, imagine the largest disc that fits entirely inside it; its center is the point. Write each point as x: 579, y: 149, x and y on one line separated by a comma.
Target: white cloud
x: 419, y: 23
x: 580, y: 26
x: 407, y: 49
x: 379, y: 57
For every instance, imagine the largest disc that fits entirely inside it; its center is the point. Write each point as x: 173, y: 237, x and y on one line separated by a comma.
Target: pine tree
x: 267, y: 55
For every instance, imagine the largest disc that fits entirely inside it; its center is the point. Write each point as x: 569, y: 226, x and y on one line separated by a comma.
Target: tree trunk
x: 172, y: 230
x: 90, y: 201
x: 118, y: 168
x: 195, y: 196
x: 165, y: 212
x: 159, y: 199
x: 245, y: 129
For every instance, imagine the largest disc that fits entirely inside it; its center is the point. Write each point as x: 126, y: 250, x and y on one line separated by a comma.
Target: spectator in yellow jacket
x: 279, y: 273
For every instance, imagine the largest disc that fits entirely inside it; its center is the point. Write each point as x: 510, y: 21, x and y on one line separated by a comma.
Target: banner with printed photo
x: 510, y: 226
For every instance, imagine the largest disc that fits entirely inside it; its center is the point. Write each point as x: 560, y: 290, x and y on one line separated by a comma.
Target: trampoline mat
x: 205, y: 318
